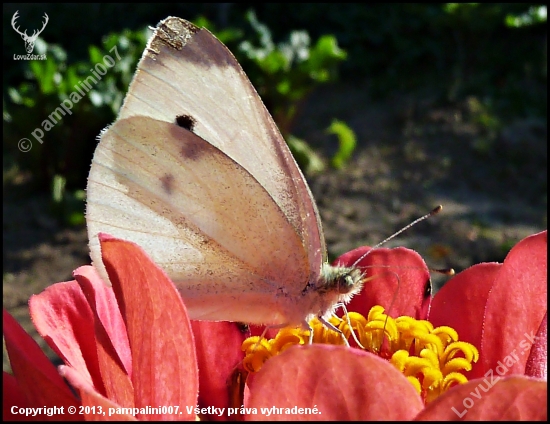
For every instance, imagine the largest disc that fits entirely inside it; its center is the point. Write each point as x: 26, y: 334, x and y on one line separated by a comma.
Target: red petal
x: 460, y: 304
x: 113, y: 348
x: 219, y: 352
x: 401, y: 281
x: 163, y: 353
x: 36, y: 377
x: 516, y: 306
x: 95, y: 406
x: 537, y: 363
x: 62, y: 316
x: 341, y: 383
x: 510, y: 399
x: 12, y: 396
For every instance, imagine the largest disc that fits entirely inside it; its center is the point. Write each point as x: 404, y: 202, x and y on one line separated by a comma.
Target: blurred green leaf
x: 226, y: 35
x: 309, y: 161
x: 285, y: 73
x: 347, y: 141
x: 67, y: 207
x: 58, y: 188
x: 324, y: 57
x: 534, y: 15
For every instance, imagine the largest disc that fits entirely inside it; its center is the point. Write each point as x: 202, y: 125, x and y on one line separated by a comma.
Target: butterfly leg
x: 343, y: 306
x: 333, y: 328
x: 307, y: 327
x: 268, y: 327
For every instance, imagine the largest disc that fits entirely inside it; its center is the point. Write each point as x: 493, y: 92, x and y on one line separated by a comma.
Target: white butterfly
x: 195, y: 171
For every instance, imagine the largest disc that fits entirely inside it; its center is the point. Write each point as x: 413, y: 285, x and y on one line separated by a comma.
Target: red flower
x: 501, y: 308
x: 132, y: 346
x: 126, y: 347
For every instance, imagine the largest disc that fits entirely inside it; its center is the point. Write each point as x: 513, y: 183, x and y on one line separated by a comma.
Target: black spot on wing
x: 186, y: 121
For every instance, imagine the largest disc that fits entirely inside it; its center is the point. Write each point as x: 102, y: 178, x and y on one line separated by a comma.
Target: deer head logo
x: 29, y: 40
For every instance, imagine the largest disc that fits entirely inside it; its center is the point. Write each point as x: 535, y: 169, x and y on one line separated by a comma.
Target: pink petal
x: 62, y: 316
x: 105, y: 308
x: 516, y: 306
x: 218, y: 346
x: 36, y: 377
x: 113, y: 348
x: 401, y: 281
x: 94, y: 406
x: 341, y: 383
x: 461, y: 302
x: 163, y: 354
x: 537, y: 363
x: 509, y: 399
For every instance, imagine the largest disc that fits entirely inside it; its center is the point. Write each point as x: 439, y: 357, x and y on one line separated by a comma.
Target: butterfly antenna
x: 444, y: 271
x: 433, y: 212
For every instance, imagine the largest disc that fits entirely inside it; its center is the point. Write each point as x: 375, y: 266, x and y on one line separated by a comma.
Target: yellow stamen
x: 432, y: 359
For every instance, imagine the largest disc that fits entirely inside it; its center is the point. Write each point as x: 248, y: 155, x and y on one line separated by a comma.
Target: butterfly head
x: 344, y: 282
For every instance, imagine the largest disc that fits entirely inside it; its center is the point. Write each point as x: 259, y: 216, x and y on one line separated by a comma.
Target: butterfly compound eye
x: 350, y: 282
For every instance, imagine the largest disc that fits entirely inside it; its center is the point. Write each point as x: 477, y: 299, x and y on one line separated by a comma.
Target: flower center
x: 432, y: 359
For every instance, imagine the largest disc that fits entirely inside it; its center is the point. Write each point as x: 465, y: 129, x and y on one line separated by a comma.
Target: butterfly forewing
x: 195, y: 171
x: 186, y: 71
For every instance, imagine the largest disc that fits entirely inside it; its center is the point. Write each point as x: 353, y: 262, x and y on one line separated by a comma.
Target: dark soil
x: 414, y: 152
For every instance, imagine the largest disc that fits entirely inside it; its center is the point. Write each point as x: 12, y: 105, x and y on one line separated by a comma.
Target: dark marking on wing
x: 167, y: 183
x: 186, y: 121
x: 191, y: 145
x: 173, y: 33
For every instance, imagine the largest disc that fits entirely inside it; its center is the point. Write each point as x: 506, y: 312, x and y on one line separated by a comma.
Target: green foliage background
x: 493, y: 53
